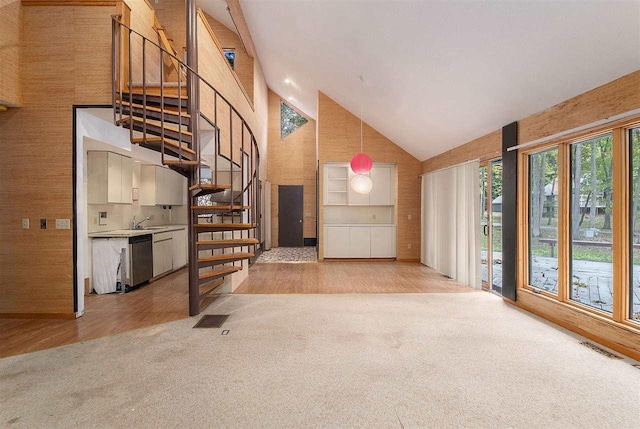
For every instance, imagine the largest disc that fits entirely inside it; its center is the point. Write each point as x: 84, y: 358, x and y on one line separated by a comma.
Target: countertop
x: 126, y: 233
x: 359, y: 224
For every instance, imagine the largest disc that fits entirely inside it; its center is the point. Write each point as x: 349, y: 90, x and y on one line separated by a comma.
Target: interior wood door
x: 290, y: 215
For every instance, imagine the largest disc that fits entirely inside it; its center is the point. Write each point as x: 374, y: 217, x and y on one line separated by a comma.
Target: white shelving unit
x: 336, y: 179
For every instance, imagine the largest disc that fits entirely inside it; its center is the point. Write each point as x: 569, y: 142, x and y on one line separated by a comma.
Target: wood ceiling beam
x: 241, y: 25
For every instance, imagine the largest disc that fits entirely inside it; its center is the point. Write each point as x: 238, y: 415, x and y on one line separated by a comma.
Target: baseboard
x: 409, y: 260
x: 614, y: 335
x: 310, y: 241
x: 37, y: 315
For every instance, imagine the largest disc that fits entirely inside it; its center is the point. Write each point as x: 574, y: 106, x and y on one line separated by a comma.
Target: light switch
x: 102, y: 218
x: 63, y: 224
x: 25, y: 223
x: 409, y: 217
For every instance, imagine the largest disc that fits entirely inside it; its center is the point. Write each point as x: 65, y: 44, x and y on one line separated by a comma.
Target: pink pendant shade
x: 361, y: 163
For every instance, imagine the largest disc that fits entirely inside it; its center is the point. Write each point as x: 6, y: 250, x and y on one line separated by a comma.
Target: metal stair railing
x: 123, y: 62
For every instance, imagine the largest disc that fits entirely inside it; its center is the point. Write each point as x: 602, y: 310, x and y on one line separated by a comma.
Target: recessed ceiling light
x: 290, y: 98
x: 287, y: 80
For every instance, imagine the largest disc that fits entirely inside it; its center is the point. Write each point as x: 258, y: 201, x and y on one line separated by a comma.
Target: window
x: 290, y: 120
x: 634, y: 162
x: 591, y: 237
x: 230, y: 55
x: 543, y: 220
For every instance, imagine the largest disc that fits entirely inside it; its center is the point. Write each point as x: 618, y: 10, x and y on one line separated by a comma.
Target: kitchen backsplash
x: 119, y: 216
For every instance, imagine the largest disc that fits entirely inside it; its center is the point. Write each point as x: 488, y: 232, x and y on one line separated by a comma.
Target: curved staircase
x: 222, y: 173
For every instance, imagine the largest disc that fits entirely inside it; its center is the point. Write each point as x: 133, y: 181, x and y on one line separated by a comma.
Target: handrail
x: 116, y: 18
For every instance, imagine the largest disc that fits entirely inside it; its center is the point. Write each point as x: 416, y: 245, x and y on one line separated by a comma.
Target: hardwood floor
x: 164, y: 300
x: 347, y: 277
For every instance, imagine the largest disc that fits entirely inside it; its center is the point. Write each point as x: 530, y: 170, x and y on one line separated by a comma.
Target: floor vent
x: 212, y: 321
x: 600, y: 350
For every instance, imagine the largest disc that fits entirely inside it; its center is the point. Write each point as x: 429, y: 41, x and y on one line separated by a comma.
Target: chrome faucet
x: 136, y: 225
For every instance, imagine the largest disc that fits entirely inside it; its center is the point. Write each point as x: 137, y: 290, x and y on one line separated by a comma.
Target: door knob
x: 300, y: 220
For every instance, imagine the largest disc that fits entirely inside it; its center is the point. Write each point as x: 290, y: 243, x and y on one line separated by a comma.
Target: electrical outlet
x: 63, y: 224
x: 409, y: 217
x: 102, y: 218
x: 43, y: 224
x: 409, y: 246
x: 25, y: 223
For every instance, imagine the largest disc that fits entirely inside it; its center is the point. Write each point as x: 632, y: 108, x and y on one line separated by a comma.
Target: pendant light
x: 361, y: 163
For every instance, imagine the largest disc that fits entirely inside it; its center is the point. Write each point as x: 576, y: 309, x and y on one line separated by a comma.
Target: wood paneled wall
x: 214, y: 67
x: 292, y: 161
x: 66, y: 61
x: 618, y: 96
x: 339, y: 140
x: 485, y: 147
x: 243, y: 63
x: 613, y: 98
x: 11, y: 19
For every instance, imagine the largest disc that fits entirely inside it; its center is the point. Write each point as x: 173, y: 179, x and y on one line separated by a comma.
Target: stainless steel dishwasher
x: 141, y: 264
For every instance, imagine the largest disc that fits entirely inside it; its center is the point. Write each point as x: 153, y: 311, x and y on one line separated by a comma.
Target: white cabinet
x: 336, y: 243
x: 359, y: 242
x: 179, y: 248
x: 354, y: 198
x: 162, y: 253
x: 355, y: 241
x: 381, y: 193
x: 336, y: 183
x: 383, y: 241
x: 161, y: 186
x: 337, y: 186
x: 109, y: 178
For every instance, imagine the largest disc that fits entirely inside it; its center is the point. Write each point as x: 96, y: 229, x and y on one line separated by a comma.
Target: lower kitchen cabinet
x: 360, y: 241
x: 179, y: 248
x: 162, y: 253
x: 169, y: 251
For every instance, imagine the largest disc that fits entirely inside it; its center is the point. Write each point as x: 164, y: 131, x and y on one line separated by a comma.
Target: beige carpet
x: 409, y: 360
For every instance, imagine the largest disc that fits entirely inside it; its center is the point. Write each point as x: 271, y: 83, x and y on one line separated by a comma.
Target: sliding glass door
x: 484, y: 225
x: 491, y: 225
x: 495, y: 226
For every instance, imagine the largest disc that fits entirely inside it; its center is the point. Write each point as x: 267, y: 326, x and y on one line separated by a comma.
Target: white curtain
x: 451, y: 223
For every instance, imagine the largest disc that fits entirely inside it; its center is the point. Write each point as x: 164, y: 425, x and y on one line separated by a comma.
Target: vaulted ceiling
x: 438, y: 74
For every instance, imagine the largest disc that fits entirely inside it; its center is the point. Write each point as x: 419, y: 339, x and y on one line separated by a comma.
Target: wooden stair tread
x: 210, y: 287
x: 180, y: 162
x: 227, y: 226
x: 220, y: 208
x: 227, y: 256
x: 167, y: 141
x: 236, y: 241
x: 154, y: 123
x: 156, y: 109
x: 218, y: 273
x: 208, y: 186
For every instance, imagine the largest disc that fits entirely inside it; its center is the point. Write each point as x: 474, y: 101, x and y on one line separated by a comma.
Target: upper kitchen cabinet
x: 161, y: 186
x: 109, y: 178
